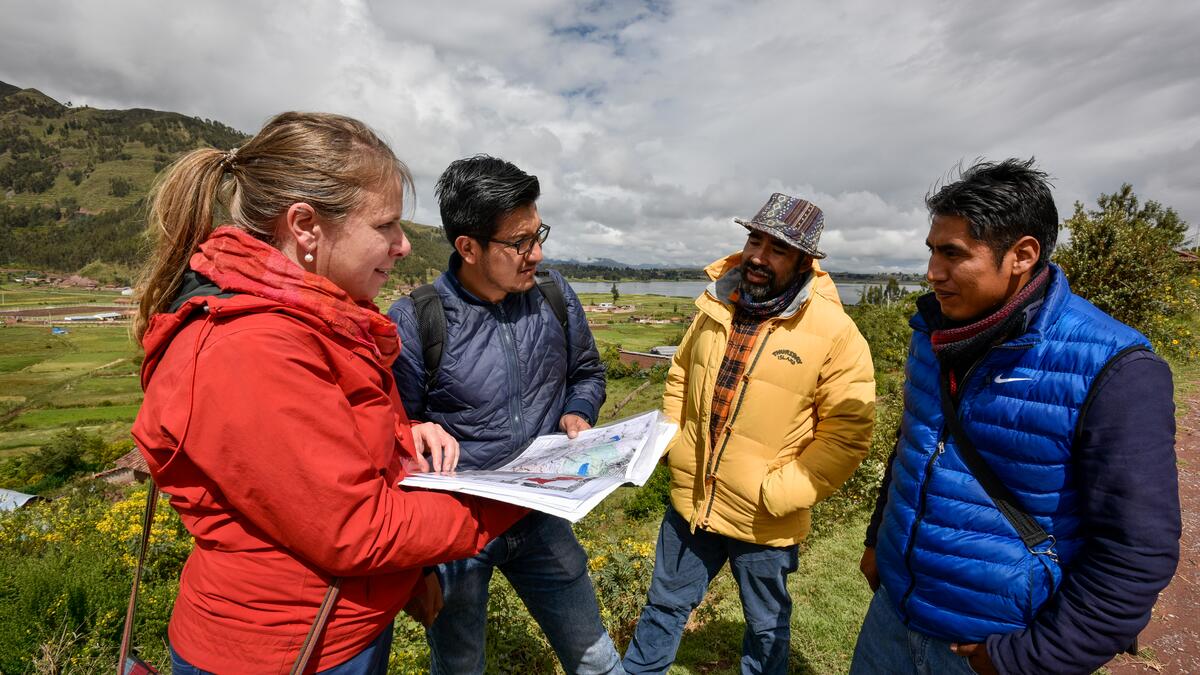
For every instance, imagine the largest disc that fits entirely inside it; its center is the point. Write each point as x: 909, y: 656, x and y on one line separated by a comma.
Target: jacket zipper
x: 514, y: 376
x: 922, y: 502
x: 922, y: 499
x: 714, y: 461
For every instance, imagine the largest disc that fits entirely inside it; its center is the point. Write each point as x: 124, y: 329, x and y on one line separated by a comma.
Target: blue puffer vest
x: 952, y: 565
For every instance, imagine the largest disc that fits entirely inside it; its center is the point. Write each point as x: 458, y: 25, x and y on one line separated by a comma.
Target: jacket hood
x: 199, y: 303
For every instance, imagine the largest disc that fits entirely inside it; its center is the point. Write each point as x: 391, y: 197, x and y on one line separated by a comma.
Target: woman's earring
x: 308, y: 257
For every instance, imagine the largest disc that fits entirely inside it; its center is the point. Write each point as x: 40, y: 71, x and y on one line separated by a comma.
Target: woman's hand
x: 442, y: 448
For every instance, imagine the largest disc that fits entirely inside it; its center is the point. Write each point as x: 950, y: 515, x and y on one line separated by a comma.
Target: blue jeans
x: 685, y: 563
x: 547, y: 568
x: 372, y: 660
x: 887, y: 647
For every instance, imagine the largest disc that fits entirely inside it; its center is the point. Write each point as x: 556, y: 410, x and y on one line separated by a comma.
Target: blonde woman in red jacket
x: 270, y: 415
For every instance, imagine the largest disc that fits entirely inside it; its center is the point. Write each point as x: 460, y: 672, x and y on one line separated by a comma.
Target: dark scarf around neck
x: 959, y: 346
x: 763, y: 309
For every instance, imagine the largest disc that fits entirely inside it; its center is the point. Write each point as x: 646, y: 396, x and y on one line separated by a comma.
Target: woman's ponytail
x: 181, y: 218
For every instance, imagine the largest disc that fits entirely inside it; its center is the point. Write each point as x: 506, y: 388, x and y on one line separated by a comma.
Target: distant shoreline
x: 905, y: 278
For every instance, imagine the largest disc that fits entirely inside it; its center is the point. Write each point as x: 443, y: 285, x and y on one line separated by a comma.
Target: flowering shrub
x: 65, y: 571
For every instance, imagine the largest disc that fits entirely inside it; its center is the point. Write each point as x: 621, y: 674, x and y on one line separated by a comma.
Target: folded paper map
x: 566, y: 477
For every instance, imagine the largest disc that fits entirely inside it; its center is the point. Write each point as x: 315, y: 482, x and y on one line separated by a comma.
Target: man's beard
x: 758, y: 292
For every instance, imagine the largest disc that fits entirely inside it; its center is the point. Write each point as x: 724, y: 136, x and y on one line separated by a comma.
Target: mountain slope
x: 73, y: 181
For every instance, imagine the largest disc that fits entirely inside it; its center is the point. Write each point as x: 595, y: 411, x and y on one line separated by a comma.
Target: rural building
x: 11, y: 500
x: 129, y: 469
x: 647, y: 359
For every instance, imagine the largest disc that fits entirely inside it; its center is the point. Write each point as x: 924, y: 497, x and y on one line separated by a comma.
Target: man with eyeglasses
x: 510, y: 369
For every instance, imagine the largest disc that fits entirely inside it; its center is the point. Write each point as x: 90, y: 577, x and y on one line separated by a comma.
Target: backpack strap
x: 554, y: 295
x: 431, y: 327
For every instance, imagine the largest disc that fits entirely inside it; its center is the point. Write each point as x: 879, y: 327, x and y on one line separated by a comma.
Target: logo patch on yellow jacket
x: 786, y: 355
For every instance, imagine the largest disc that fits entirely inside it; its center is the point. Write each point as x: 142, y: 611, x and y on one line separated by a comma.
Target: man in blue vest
x: 516, y: 360
x: 1029, y: 515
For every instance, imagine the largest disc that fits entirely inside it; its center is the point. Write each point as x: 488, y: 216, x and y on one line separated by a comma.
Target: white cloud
x: 652, y: 124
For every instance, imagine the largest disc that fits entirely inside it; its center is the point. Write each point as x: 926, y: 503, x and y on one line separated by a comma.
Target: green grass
x: 649, y: 398
x: 637, y: 337
x: 829, y: 599
x: 64, y: 418
x: 52, y: 383
x: 102, y: 391
x: 19, y: 441
x: 21, y: 296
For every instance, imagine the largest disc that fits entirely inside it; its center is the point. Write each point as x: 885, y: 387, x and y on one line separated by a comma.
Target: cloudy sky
x: 651, y: 124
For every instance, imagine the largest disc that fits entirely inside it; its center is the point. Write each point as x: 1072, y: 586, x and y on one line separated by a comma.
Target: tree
x: 119, y: 186
x: 615, y: 293
x: 1122, y: 258
x: 892, y: 292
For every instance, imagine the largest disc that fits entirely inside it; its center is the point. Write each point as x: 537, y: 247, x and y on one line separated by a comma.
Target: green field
x: 623, y: 331
x: 49, y: 383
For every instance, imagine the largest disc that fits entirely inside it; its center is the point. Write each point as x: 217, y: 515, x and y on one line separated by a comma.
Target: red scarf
x: 236, y: 261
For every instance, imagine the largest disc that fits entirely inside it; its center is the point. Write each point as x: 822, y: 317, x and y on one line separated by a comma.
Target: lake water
x: 851, y: 292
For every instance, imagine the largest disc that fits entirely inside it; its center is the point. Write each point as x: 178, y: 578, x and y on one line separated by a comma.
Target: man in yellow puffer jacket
x: 774, y: 393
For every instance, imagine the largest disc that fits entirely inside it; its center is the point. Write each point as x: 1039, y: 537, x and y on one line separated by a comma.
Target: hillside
x: 73, y: 181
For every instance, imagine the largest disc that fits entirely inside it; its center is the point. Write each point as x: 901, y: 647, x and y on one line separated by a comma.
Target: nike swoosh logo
x: 1000, y: 379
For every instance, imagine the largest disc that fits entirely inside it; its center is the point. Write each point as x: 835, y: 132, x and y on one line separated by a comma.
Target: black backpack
x: 431, y: 320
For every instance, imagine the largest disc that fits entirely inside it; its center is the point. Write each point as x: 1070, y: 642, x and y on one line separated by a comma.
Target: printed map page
x: 604, y: 451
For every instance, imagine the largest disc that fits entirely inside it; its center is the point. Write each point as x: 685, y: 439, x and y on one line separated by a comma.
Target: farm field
x: 620, y: 329
x: 85, y: 378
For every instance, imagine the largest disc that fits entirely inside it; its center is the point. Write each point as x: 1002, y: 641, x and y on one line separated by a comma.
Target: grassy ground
x: 830, y: 599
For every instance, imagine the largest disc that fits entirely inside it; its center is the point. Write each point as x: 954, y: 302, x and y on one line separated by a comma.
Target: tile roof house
x: 129, y: 469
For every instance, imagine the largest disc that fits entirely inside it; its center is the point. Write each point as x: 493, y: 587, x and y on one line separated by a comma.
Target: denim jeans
x: 547, y: 568
x: 887, y: 647
x: 685, y: 563
x: 372, y: 660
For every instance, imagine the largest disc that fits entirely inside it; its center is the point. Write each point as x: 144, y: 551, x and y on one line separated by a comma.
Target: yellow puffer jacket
x: 799, y: 425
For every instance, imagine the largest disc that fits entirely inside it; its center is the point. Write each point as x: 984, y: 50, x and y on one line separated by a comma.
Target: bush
x: 886, y: 330
x: 1122, y: 258
x: 67, y: 454
x: 650, y: 500
x: 65, y: 572
x: 614, y: 368
x: 119, y: 186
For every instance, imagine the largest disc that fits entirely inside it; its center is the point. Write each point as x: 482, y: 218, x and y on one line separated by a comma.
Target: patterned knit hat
x: 792, y: 220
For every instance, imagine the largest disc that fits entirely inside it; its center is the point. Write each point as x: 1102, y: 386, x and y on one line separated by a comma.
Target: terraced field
x: 86, y: 378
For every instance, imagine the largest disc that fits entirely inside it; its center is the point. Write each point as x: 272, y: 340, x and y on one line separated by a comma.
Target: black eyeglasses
x: 524, y: 245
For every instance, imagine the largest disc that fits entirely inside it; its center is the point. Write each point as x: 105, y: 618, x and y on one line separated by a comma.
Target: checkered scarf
x: 742, y: 336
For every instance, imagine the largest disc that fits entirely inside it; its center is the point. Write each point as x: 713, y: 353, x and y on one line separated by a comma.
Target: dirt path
x: 1171, y: 643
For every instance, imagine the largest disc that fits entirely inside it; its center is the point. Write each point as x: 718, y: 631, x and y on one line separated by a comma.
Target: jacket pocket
x: 1043, y: 576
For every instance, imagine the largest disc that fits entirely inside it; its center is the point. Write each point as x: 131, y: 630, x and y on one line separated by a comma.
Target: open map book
x: 563, y: 477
